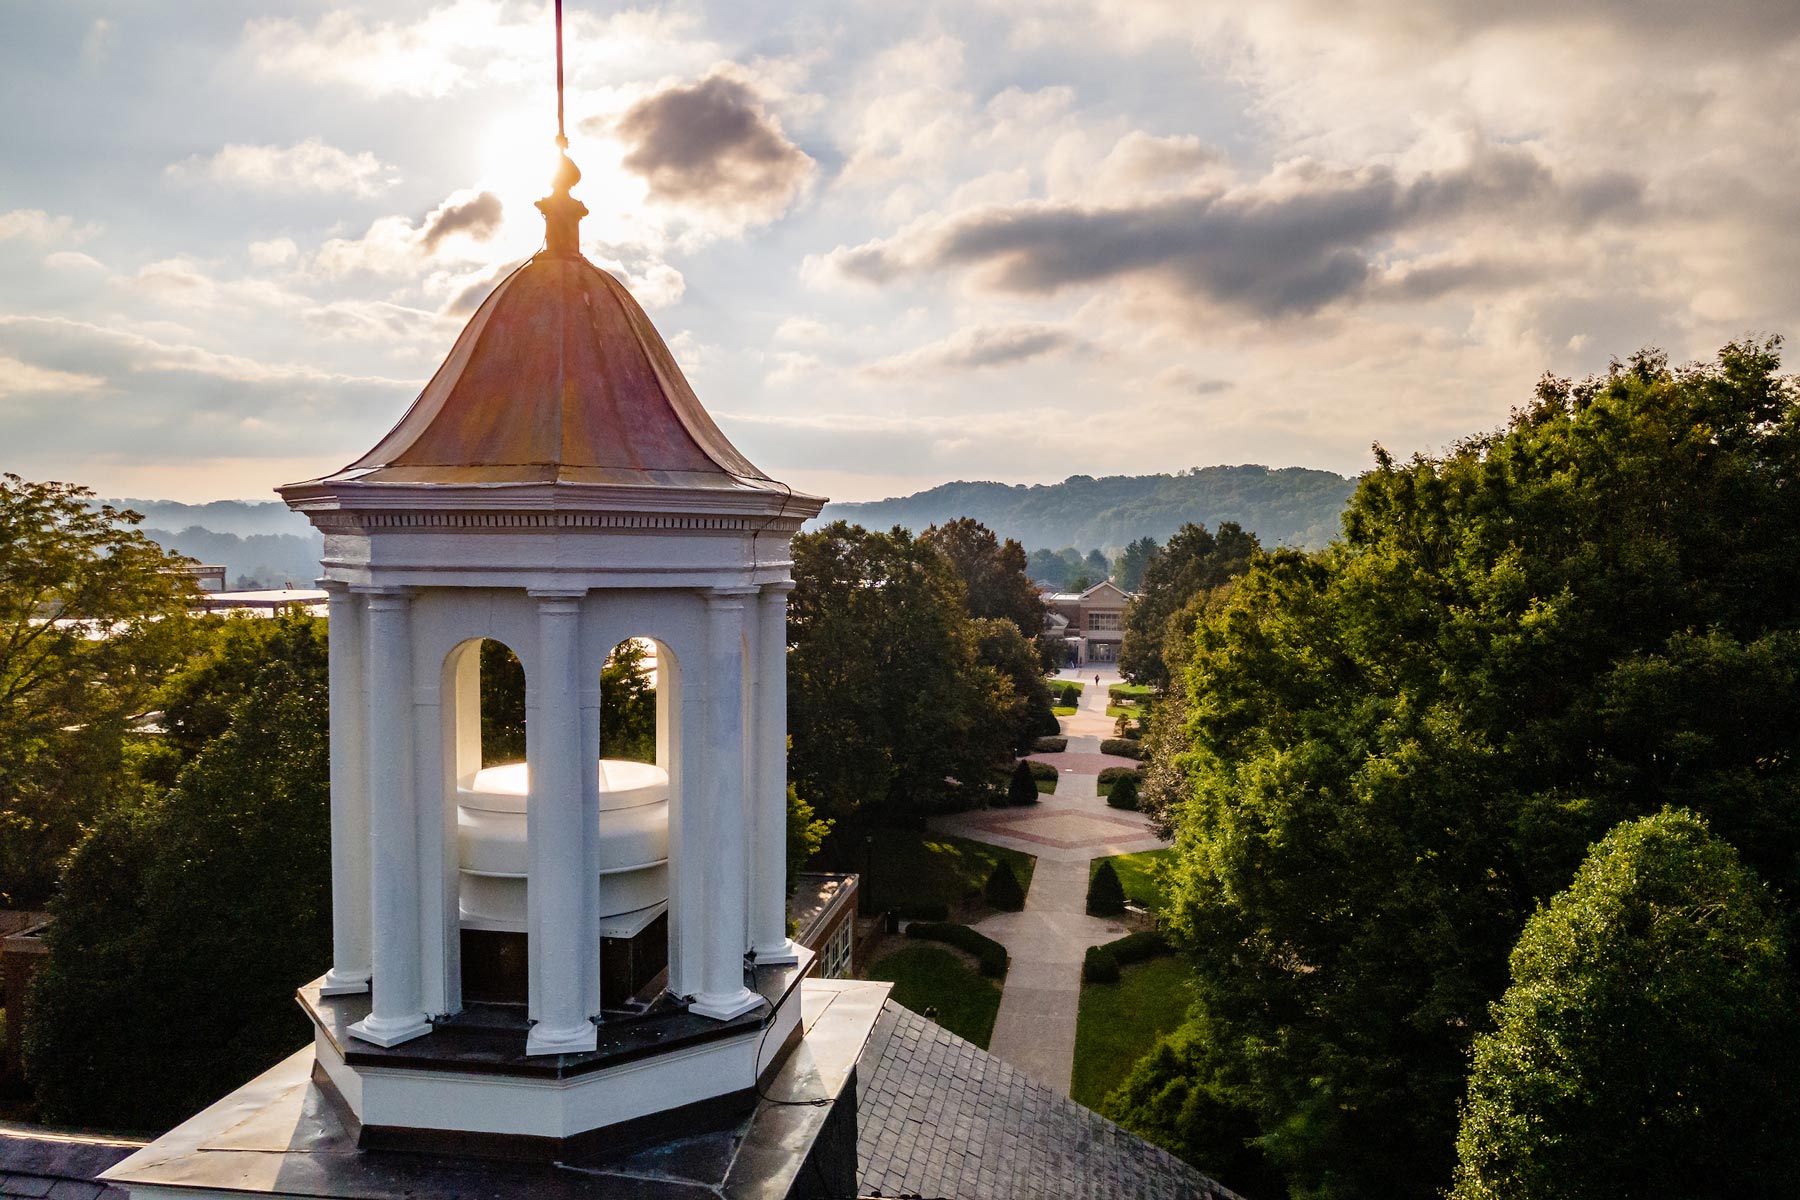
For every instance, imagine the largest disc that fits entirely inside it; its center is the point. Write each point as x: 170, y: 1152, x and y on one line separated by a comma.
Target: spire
x: 562, y: 212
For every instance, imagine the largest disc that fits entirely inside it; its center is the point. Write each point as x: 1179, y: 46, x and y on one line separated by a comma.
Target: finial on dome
x: 562, y: 212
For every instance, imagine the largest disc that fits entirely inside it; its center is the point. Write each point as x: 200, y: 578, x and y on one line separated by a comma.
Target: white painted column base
x: 344, y: 983
x: 783, y: 953
x: 578, y: 1040
x: 390, y: 1032
x: 725, y: 1007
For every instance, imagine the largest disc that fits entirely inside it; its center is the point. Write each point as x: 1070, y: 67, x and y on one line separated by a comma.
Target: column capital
x: 382, y: 591
x: 780, y: 587
x: 727, y: 597
x: 557, y: 604
x: 335, y: 588
x: 556, y: 593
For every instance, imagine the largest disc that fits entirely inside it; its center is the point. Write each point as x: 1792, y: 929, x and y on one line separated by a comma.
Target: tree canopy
x: 1648, y: 1041
x: 995, y: 581
x: 1396, y: 749
x: 92, y: 617
x: 1195, y: 562
x: 887, y: 697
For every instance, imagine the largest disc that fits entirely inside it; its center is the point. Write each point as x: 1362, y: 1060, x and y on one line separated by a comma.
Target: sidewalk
x: 1035, y: 1030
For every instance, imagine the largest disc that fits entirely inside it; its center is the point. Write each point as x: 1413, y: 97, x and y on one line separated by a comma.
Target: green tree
x: 1397, y: 749
x: 211, y: 903
x: 805, y: 834
x: 1105, y: 894
x: 230, y: 651
x: 1002, y: 890
x: 1026, y: 714
x: 1022, y: 788
x: 995, y: 581
x: 1195, y: 562
x: 1129, y: 568
x: 1647, y: 1044
x: 628, y: 704
x: 1096, y: 565
x: 92, y: 617
x: 887, y: 700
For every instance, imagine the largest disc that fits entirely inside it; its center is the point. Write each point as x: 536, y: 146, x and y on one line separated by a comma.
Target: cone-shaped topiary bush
x: 1124, y: 794
x: 1106, y: 895
x: 1002, y: 889
x: 1023, y: 788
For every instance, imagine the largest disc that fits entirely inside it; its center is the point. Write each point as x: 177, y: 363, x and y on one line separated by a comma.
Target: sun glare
x: 518, y: 157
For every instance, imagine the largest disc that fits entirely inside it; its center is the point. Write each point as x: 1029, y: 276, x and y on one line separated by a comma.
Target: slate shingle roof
x: 938, y: 1117
x: 47, y: 1166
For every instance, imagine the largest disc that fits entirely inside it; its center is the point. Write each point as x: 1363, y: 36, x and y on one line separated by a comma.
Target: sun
x: 517, y: 158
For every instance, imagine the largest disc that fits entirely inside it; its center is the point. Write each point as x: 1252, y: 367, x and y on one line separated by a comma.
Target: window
x: 836, y: 952
x: 1103, y: 622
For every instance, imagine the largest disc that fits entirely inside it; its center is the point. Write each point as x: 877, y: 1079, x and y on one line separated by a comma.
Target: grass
x: 1045, y: 787
x: 1139, y: 873
x: 1060, y: 684
x: 916, y: 866
x: 1119, y: 1023
x: 1130, y: 689
x: 1062, y: 710
x: 932, y: 977
x: 1124, y: 710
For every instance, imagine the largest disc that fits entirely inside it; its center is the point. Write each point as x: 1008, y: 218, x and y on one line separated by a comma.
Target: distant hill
x: 261, y: 560
x: 1286, y: 506
x: 242, y: 517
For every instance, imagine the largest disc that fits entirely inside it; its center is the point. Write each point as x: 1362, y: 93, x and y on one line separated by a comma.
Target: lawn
x: 1063, y: 710
x: 932, y: 977
x: 1138, y: 872
x: 1045, y: 787
x: 1124, y: 710
x: 1119, y: 1023
x: 912, y: 866
x: 1132, y: 690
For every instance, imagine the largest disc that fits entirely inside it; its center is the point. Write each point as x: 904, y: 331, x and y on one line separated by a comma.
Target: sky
x: 891, y: 244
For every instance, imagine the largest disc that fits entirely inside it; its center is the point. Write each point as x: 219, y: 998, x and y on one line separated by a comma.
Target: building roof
x: 939, y: 1117
x: 41, y: 1165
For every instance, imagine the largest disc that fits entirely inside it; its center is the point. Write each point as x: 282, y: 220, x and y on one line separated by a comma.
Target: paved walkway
x: 1035, y: 1030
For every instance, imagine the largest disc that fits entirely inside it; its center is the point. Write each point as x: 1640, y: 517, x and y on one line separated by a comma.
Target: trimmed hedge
x: 1124, y: 794
x: 1101, y: 963
x: 989, y: 953
x: 1050, y: 745
x: 1123, y: 747
x: 1105, y: 894
x: 1042, y: 771
x: 1002, y: 890
x: 1114, y: 774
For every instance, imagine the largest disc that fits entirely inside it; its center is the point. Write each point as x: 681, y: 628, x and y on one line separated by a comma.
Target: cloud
x: 1294, y: 242
x: 36, y: 225
x: 22, y: 378
x: 478, y: 218
x: 712, y: 146
x: 274, y: 252
x: 979, y: 346
x: 73, y: 260
x: 308, y: 166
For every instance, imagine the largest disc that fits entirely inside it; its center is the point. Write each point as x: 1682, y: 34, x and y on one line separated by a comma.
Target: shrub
x: 1023, y: 788
x: 989, y: 953
x: 1050, y: 745
x: 1124, y: 794
x: 1042, y: 771
x: 1112, y: 775
x: 1124, y: 747
x: 1043, y: 722
x: 1105, y: 894
x: 1070, y: 698
x: 1140, y: 946
x: 1648, y: 1039
x: 1002, y: 890
x: 1100, y: 965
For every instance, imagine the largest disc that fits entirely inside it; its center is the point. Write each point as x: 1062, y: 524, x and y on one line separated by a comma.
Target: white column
x: 397, y: 1012
x: 724, y: 791
x: 768, y: 872
x: 349, y: 799
x: 685, y: 733
x: 562, y: 945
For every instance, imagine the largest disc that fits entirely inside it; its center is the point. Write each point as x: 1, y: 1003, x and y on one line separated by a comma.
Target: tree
x: 1026, y: 717
x: 230, y: 651
x: 1105, y: 894
x: 628, y: 705
x: 1002, y: 890
x: 1647, y: 1042
x: 1124, y: 793
x: 996, y: 583
x: 1022, y: 789
x: 886, y: 699
x: 805, y: 834
x: 1396, y: 749
x: 92, y: 617
x: 1129, y: 568
x: 213, y: 901
x: 1195, y: 562
x: 1096, y: 565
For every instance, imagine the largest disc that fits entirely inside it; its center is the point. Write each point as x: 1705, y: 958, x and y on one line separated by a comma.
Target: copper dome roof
x: 558, y: 378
